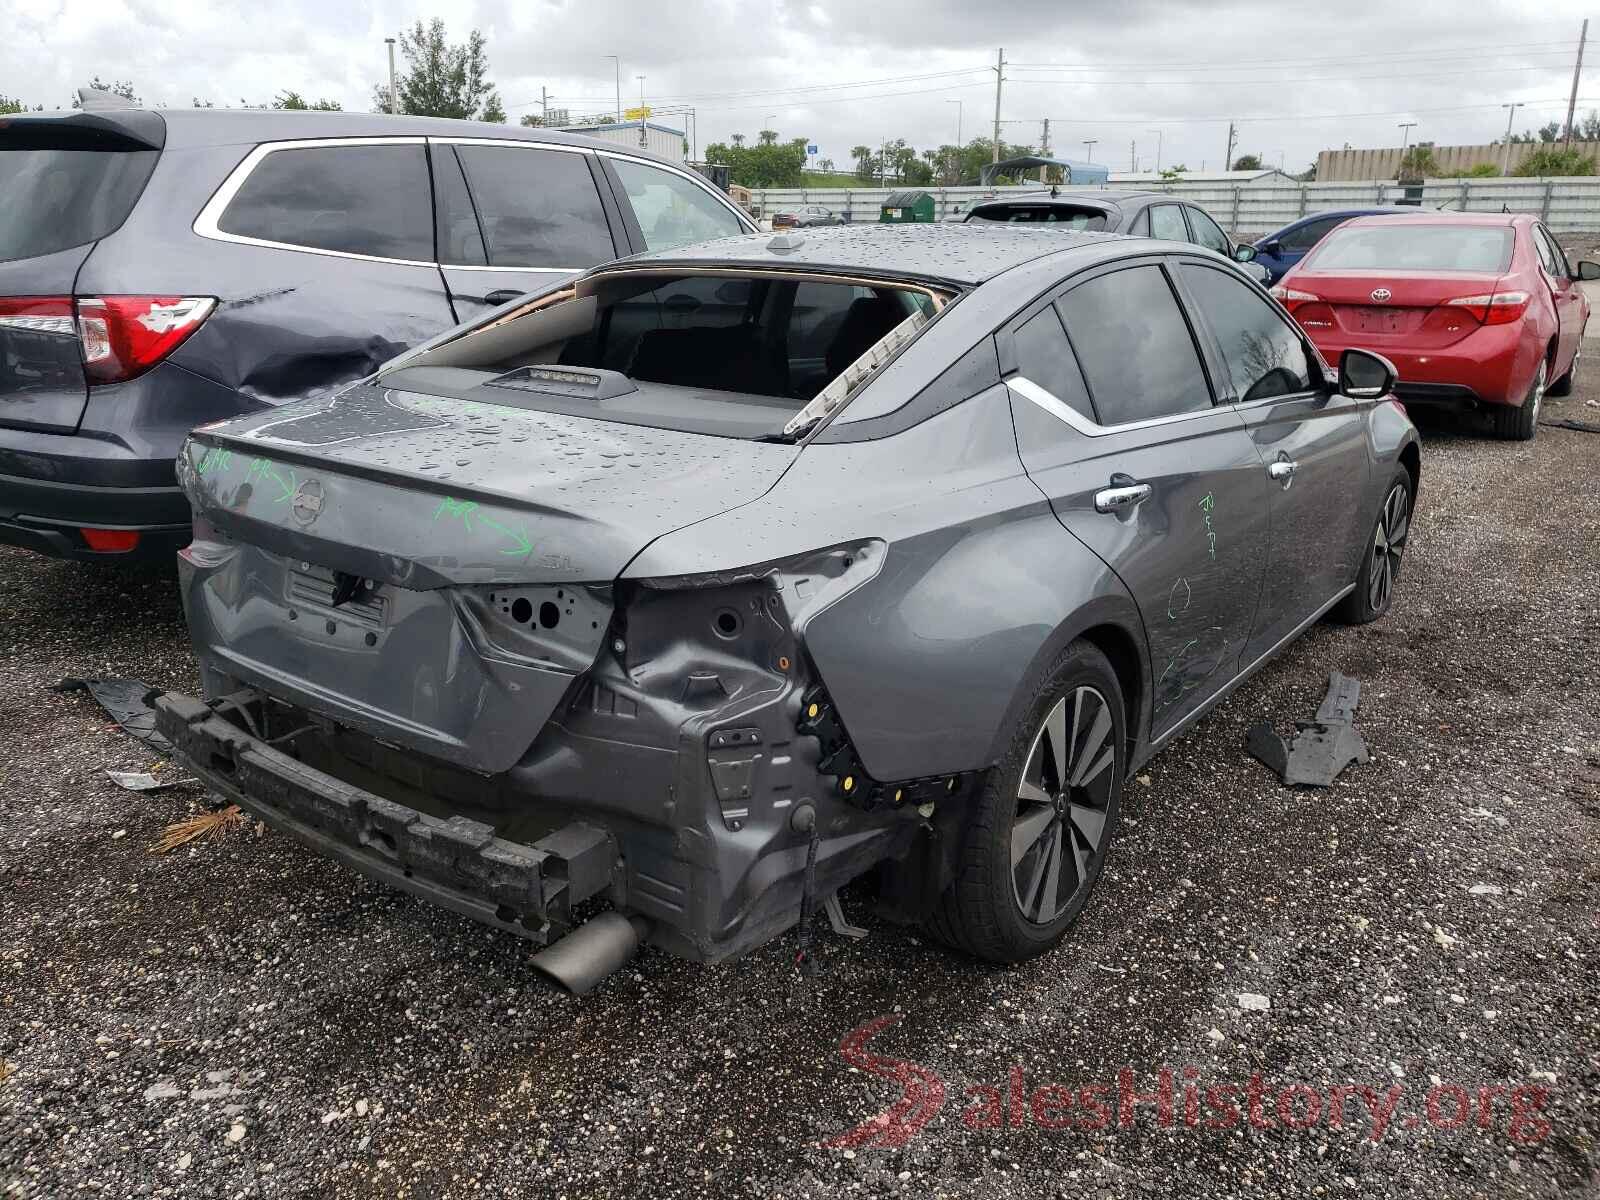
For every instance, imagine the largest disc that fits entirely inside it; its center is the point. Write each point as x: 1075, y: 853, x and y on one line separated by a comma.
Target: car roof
x: 1102, y: 197
x: 960, y: 254
x: 193, y: 127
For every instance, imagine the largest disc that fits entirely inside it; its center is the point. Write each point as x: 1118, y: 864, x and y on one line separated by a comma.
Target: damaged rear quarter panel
x: 978, y: 583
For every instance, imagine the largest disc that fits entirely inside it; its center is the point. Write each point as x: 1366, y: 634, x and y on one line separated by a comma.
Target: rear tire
x: 1521, y: 423
x: 1380, y: 561
x: 1041, y: 826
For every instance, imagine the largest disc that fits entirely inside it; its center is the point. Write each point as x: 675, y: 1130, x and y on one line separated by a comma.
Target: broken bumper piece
x: 458, y: 863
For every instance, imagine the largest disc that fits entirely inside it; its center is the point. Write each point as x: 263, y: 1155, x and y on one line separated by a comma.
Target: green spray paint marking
x: 1207, y: 503
x: 214, y: 460
x: 263, y: 469
x: 467, y: 511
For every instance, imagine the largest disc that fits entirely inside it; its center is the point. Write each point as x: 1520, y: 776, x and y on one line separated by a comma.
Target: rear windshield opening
x: 57, y: 199
x: 742, y: 356
x: 1042, y: 214
x: 1479, y: 249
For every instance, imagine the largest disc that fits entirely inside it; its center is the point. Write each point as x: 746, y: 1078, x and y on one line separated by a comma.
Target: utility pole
x: 644, y: 139
x: 1505, y: 152
x: 1133, y: 155
x: 617, y: 62
x: 544, y: 105
x: 1227, y: 159
x: 394, y: 95
x: 1577, y: 69
x: 1157, y: 132
x: 999, y: 78
x: 1044, y: 149
x: 1405, y: 141
x: 1088, y: 147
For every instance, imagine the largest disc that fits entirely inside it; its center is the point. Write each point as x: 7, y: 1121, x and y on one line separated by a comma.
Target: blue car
x: 1279, y: 251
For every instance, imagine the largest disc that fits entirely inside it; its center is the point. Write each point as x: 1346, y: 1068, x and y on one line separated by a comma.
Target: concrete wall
x: 1341, y: 166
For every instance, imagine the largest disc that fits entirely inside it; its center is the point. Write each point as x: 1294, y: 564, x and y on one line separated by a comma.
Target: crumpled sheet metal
x: 1320, y: 749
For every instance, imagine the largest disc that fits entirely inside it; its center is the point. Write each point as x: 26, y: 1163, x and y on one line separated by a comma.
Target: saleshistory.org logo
x: 1170, y: 1096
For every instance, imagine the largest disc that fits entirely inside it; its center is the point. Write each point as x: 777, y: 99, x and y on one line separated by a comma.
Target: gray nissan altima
x: 659, y: 605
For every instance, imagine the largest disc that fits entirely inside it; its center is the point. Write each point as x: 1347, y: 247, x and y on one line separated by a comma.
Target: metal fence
x: 1568, y: 205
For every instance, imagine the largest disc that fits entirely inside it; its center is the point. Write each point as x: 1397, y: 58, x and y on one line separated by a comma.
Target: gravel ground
x: 243, y: 1018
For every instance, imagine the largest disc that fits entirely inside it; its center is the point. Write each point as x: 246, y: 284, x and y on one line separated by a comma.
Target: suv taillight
x: 120, y: 336
x: 124, y: 336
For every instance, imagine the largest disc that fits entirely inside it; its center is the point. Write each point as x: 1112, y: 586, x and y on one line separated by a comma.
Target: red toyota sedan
x: 1474, y: 309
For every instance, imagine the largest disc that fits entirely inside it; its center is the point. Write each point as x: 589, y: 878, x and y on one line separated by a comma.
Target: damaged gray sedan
x: 677, y: 597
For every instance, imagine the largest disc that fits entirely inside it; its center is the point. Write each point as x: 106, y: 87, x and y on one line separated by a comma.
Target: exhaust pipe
x: 592, y: 951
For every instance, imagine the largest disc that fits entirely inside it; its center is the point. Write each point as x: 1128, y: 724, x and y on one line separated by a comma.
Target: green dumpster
x: 906, y: 206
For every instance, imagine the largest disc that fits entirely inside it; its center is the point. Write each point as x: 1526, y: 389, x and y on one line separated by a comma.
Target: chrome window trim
x: 698, y: 180
x: 521, y: 270
x: 205, y: 224
x: 1033, y: 393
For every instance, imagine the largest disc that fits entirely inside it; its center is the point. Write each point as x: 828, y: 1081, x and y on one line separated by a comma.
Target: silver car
x: 727, y: 575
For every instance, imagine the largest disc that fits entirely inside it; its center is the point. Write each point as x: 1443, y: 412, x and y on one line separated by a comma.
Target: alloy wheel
x: 1537, y: 397
x: 1063, y: 804
x: 1388, y: 544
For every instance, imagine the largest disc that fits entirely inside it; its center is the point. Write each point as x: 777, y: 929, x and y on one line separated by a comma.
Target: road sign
x: 637, y: 114
x: 811, y: 149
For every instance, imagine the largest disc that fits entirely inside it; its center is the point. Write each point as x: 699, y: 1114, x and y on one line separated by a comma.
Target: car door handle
x: 1283, y: 469
x: 1121, y: 497
x: 502, y: 296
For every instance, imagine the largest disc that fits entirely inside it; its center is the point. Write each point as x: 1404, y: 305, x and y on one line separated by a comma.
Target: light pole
x: 1088, y: 147
x: 957, y: 103
x: 643, y: 139
x: 618, y: 64
x: 766, y: 124
x: 1505, y: 154
x: 1405, y: 142
x: 1157, y: 132
x: 394, y: 96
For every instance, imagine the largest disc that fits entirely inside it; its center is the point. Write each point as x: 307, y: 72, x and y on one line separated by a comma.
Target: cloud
x: 1111, y: 72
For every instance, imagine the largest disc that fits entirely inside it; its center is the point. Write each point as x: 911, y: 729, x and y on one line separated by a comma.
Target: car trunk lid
x: 67, y: 182
x: 434, y: 572
x: 1391, y: 307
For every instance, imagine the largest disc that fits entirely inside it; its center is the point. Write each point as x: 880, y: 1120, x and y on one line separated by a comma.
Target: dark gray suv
x: 163, y: 270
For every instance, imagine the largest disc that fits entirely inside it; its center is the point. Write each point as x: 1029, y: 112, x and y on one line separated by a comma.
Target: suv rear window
x: 369, y: 200
x: 1412, y: 246
x: 57, y: 199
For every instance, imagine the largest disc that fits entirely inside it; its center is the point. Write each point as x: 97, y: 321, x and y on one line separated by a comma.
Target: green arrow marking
x: 523, y: 546
x: 466, y: 511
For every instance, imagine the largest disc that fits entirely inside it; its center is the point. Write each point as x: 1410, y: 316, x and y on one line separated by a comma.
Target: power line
x: 1481, y: 71
x: 1397, y: 55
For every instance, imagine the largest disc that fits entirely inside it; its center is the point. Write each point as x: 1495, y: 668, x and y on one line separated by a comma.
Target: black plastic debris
x: 128, y: 702
x: 1569, y: 423
x: 1320, y: 748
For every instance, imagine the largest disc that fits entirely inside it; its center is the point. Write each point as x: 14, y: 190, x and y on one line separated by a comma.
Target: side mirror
x: 1588, y: 270
x: 1245, y: 253
x: 1365, y: 376
x: 1274, y: 248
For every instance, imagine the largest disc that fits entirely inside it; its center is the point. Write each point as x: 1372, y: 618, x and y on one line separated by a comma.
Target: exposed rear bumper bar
x: 457, y: 863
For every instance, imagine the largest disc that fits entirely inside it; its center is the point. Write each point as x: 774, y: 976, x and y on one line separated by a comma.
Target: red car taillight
x: 1290, y: 298
x: 124, y: 336
x: 1495, y: 308
x: 120, y: 336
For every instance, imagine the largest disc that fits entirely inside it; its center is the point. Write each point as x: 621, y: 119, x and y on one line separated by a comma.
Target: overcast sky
x: 1297, y: 81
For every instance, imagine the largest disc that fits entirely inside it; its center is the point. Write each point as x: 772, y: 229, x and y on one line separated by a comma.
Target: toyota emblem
x: 1380, y: 294
x: 307, y: 503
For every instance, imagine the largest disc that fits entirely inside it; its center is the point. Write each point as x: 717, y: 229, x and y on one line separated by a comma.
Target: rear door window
x: 537, y: 208
x: 354, y: 199
x: 1134, y: 344
x: 1166, y: 221
x: 1309, y: 234
x: 671, y: 210
x: 57, y: 199
x: 1265, y: 357
x: 1045, y: 357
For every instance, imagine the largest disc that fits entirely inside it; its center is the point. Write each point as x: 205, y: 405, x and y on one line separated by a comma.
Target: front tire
x: 1380, y: 564
x: 1521, y: 423
x: 1045, y: 818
